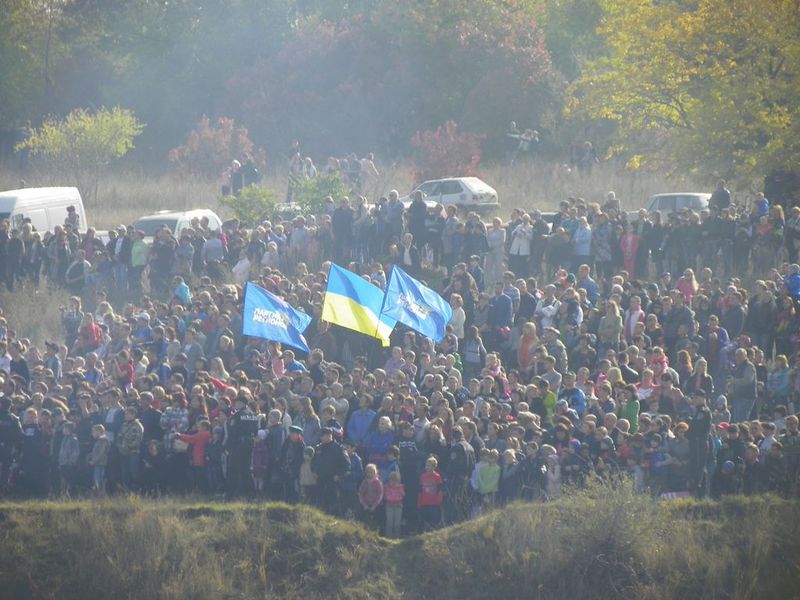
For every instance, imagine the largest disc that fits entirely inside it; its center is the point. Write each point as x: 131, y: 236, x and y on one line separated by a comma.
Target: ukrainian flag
x: 354, y: 303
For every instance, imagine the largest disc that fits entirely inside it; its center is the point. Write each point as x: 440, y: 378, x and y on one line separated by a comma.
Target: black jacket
x: 330, y: 460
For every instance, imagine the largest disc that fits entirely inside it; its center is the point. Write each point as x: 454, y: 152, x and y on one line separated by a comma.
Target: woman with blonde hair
x: 609, y: 331
x: 687, y: 285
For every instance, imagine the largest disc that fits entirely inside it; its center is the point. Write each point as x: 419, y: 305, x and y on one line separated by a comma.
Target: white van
x: 46, y: 207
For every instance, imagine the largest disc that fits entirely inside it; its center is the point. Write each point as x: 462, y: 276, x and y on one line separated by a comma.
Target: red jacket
x: 430, y: 492
x: 198, y: 442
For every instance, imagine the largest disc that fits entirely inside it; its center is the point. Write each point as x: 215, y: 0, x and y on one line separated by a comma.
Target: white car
x: 468, y: 192
x: 175, y: 220
x: 666, y: 204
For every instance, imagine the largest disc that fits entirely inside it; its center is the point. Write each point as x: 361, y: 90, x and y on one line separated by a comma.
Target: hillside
x: 612, y: 545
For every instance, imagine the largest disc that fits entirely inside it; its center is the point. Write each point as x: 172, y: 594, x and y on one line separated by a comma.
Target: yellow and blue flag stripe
x: 354, y: 303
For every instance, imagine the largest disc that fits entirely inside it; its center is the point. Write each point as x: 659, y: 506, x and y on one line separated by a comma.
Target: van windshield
x: 150, y: 226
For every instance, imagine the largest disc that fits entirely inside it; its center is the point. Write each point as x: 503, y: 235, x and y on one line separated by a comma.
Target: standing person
x: 330, y: 464
x: 416, y: 215
x: 629, y: 245
x: 10, y: 438
x: 742, y: 387
x: 496, y: 239
x: 721, y: 197
x: 460, y: 463
x: 520, y: 251
x: 342, y: 226
x: 68, y: 456
x: 129, y: 444
x: 242, y: 429
x: 291, y: 461
x: 699, y: 444
x: 451, y: 223
x: 370, y: 495
x: 581, y: 244
x: 430, y: 498
x: 98, y: 458
x: 393, y: 494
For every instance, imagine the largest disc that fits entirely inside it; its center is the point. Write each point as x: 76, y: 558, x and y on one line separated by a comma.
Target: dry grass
x: 34, y: 314
x: 125, y: 195
x: 599, y: 544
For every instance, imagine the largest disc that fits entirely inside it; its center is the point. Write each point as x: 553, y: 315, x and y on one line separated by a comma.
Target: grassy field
x: 125, y: 195
x: 601, y: 544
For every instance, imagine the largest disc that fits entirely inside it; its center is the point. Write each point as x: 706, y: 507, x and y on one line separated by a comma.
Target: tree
x: 252, y: 205
x: 714, y: 85
x: 395, y: 68
x: 84, y: 143
x: 210, y: 148
x: 445, y: 152
x: 310, y: 194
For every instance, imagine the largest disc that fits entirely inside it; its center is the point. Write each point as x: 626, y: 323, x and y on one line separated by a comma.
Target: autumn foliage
x: 445, y: 152
x: 210, y: 148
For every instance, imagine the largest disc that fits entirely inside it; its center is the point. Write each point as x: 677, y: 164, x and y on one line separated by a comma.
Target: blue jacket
x: 582, y: 241
x: 378, y: 443
x: 792, y: 283
x: 359, y: 424
x: 592, y: 289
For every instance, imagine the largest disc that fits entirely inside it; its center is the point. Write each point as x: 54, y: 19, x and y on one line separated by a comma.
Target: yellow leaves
x: 726, y: 72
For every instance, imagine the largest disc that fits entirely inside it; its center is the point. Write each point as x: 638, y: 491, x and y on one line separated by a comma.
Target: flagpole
x: 385, y: 295
x: 244, y: 299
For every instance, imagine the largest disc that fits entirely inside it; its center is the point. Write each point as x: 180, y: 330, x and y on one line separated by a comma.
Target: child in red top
x: 393, y: 494
x: 198, y: 442
x: 430, y: 496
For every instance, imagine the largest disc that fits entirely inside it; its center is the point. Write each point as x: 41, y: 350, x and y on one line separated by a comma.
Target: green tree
x: 84, y: 143
x: 709, y: 87
x: 310, y: 194
x: 252, y: 205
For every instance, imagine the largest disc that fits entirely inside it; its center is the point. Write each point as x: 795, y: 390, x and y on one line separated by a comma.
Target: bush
x: 252, y: 206
x: 445, y: 153
x: 310, y: 194
x: 209, y: 149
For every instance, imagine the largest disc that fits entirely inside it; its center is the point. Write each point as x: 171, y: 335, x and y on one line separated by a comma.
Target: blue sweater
x: 359, y: 424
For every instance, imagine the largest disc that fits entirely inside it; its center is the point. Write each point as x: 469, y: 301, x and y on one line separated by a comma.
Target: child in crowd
x: 68, y: 455
x: 98, y: 458
x: 489, y: 481
x: 430, y: 496
x: 215, y: 456
x: 259, y: 460
x: 393, y: 494
x: 308, y: 479
x: 370, y: 495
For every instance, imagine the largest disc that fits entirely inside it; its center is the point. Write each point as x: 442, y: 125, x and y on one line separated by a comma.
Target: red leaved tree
x: 445, y: 152
x: 209, y: 149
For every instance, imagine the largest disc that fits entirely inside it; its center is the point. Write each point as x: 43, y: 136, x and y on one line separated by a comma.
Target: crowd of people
x: 573, y: 355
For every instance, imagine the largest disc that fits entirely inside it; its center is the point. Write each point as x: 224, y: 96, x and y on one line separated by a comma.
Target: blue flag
x: 416, y: 305
x: 268, y: 317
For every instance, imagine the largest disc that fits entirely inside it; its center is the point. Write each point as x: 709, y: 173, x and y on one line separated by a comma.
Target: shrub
x: 209, y: 149
x: 309, y: 194
x: 252, y: 205
x: 445, y: 152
